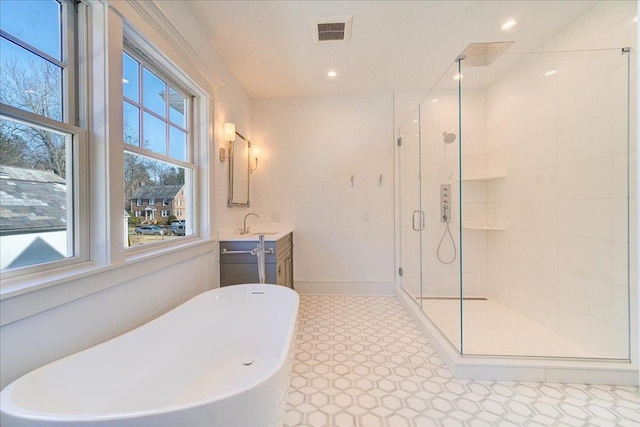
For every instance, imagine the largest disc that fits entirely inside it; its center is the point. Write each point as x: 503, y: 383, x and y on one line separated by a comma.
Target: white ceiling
x: 395, y: 45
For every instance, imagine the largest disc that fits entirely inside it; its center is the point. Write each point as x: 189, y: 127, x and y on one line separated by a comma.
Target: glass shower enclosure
x: 516, y: 205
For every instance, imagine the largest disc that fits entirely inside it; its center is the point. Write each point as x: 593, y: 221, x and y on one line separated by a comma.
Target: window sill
x: 30, y: 295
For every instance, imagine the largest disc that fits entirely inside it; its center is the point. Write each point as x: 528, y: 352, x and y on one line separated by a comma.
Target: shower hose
x: 453, y: 243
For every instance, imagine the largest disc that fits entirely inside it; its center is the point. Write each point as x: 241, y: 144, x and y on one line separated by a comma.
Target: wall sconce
x: 255, y: 154
x: 229, y: 135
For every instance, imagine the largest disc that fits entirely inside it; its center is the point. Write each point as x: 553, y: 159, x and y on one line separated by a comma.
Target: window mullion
x: 32, y: 49
x: 132, y: 102
x: 157, y: 156
x: 37, y: 120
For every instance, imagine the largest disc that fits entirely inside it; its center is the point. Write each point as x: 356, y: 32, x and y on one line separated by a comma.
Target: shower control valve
x: 445, y: 192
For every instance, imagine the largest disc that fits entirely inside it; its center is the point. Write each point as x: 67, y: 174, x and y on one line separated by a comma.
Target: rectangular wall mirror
x: 239, y: 172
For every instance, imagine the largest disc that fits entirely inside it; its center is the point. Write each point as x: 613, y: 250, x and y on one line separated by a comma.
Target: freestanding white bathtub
x: 221, y: 359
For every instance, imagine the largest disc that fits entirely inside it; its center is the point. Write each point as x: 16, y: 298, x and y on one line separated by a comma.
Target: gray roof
x: 31, y: 200
x: 33, y: 175
x: 156, y: 192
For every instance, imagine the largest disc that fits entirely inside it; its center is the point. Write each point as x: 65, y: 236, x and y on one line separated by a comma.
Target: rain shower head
x: 448, y: 137
x: 483, y: 54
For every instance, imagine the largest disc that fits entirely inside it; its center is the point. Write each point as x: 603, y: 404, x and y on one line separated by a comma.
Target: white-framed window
x: 138, y: 202
x: 179, y: 213
x: 138, y: 213
x: 178, y: 202
x: 42, y: 145
x: 156, y: 132
x: 165, y: 214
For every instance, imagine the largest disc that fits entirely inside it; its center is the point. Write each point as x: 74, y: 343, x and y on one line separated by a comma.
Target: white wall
x: 311, y: 147
x: 561, y: 140
x: 113, y: 299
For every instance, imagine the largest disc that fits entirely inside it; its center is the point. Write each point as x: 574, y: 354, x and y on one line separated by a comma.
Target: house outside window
x: 40, y: 138
x: 157, y: 192
x: 138, y: 202
x: 152, y: 201
x: 165, y: 202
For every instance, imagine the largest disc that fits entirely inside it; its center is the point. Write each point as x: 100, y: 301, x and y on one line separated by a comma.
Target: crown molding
x: 152, y: 14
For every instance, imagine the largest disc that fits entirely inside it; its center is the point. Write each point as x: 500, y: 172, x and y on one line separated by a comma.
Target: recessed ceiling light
x: 458, y: 76
x: 434, y: 100
x: 550, y: 73
x: 332, y: 73
x: 414, y: 121
x: 509, y: 24
x: 635, y: 19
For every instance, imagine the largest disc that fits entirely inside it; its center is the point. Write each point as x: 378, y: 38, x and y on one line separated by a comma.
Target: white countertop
x: 272, y: 231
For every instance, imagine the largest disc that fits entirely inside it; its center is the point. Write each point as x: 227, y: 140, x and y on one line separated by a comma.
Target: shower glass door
x: 411, y: 216
x: 440, y: 195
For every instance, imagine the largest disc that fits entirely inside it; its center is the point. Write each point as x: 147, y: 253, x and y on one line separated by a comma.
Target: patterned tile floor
x: 362, y: 361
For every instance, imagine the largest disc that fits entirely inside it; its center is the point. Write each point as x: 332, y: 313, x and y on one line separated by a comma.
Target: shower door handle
x: 413, y: 221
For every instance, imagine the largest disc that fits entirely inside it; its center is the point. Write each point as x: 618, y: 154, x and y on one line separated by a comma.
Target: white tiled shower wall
x: 561, y: 141
x: 440, y: 165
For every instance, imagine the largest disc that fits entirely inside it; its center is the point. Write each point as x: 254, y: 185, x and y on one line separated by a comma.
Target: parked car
x: 177, y: 228
x: 150, y: 229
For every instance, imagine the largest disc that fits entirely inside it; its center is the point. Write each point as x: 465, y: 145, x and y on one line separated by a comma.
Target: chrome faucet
x: 245, y: 229
x: 260, y: 253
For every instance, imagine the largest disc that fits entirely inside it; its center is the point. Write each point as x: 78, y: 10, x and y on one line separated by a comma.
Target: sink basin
x: 272, y: 232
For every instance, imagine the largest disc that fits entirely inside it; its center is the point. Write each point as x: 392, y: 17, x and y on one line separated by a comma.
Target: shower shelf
x: 483, y: 178
x: 483, y: 227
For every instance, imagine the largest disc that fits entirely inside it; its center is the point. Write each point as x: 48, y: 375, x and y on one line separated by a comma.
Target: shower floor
x: 491, y: 328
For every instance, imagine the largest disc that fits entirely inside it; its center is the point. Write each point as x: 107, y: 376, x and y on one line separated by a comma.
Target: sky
x: 35, y: 22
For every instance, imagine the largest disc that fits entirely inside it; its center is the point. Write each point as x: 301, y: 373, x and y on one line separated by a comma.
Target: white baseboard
x: 345, y: 288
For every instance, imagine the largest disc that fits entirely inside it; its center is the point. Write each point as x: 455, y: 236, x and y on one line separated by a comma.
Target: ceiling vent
x: 332, y: 29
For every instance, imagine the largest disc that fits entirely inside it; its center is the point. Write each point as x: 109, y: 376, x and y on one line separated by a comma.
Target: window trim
x: 73, y: 30
x: 77, y: 175
x: 156, y: 62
